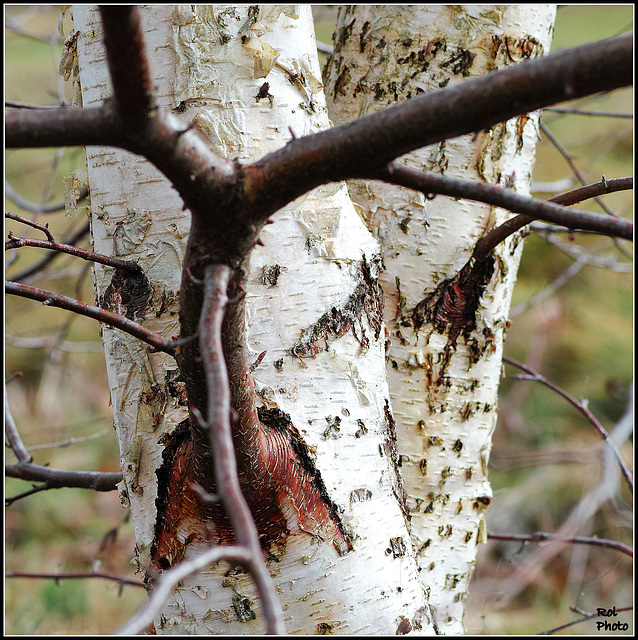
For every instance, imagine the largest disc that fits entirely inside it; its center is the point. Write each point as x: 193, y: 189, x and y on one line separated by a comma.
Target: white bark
x: 445, y: 413
x: 315, y: 256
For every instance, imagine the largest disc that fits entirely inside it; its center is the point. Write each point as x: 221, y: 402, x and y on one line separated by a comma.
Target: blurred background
x: 571, y: 320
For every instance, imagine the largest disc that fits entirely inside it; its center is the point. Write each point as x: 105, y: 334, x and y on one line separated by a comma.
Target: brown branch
x: 59, y: 478
x: 540, y: 536
x: 62, y: 127
x: 581, y: 408
x: 349, y: 151
x: 593, y: 190
x: 44, y: 262
x: 25, y: 494
x: 110, y: 261
x: 71, y: 576
x: 572, y: 220
x: 128, y: 65
x: 364, y: 146
x: 532, y: 208
x: 217, y: 424
x: 91, y: 311
x: 31, y: 223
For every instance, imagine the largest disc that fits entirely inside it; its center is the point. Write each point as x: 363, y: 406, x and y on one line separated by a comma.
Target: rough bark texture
x: 247, y: 77
x: 446, y: 314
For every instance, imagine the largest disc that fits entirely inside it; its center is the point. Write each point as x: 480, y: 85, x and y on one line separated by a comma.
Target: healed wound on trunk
x: 278, y: 477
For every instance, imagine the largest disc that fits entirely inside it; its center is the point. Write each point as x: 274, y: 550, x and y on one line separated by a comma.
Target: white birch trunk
x: 210, y: 64
x: 445, y: 411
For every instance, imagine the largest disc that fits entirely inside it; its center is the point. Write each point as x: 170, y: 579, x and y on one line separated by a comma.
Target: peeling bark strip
x: 367, y: 299
x: 391, y: 450
x: 182, y: 517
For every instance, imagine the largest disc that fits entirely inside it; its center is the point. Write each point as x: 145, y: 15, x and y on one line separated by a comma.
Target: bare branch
x: 41, y: 227
x: 62, y: 127
x: 77, y: 575
x: 219, y: 430
x: 130, y: 74
x: 11, y: 431
x: 366, y: 145
x: 25, y: 494
x: 584, y: 112
x: 91, y: 311
x: 163, y: 587
x: 41, y: 264
x: 594, y: 190
x: 110, y: 261
x: 540, y: 536
x: 533, y: 208
x: 572, y: 220
x: 27, y: 205
x: 583, y: 409
x: 59, y: 478
x: 570, y: 161
x: 585, y: 616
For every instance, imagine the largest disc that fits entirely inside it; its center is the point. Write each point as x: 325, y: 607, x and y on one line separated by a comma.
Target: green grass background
x: 545, y: 457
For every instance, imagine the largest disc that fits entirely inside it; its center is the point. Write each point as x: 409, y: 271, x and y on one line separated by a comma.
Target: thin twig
x: 593, y: 190
x: 570, y: 161
x: 583, y: 409
x: 25, y: 494
x: 585, y: 617
x: 548, y: 290
x: 494, y: 237
x: 15, y: 242
x: 41, y: 264
x: 76, y: 575
x: 11, y: 431
x: 102, y: 315
x: 61, y: 478
x: 30, y: 223
x: 219, y: 431
x: 585, y: 112
x: 540, y: 536
x: 164, y: 585
x: 27, y: 205
x: 532, y: 208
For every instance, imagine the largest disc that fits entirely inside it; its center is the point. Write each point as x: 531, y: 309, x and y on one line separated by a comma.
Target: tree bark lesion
x: 365, y: 301
x: 452, y: 307
x: 281, y: 484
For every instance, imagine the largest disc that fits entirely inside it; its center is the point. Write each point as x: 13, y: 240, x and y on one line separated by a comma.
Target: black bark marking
x: 453, y: 305
x: 367, y: 300
x: 391, y: 451
x: 128, y: 294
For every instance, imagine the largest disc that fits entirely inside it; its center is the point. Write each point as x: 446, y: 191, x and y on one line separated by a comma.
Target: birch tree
x: 215, y: 179
x: 444, y: 364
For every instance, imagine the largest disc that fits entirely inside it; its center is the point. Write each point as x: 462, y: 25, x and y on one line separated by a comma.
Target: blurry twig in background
x: 582, y: 407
